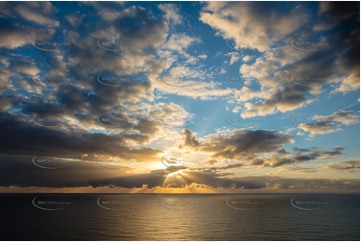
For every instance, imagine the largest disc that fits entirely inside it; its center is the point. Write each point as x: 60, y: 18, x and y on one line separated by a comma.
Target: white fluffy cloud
x: 250, y: 26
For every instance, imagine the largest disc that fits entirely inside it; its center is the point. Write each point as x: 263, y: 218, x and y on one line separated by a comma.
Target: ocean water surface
x: 180, y: 217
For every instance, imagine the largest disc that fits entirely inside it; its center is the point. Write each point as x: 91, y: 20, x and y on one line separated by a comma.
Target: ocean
x: 180, y: 217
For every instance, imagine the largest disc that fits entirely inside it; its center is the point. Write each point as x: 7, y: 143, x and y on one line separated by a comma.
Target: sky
x: 179, y: 97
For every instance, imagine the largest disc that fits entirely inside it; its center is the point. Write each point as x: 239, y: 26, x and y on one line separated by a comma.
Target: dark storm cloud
x: 25, y: 137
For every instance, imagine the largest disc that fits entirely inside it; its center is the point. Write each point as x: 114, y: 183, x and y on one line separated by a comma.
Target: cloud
x: 144, y: 50
x: 331, y: 59
x: 85, y: 175
x: 76, y: 87
x: 118, y: 91
x: 234, y: 57
x: 189, y: 139
x: 331, y: 14
x: 38, y: 12
x: 14, y: 35
x: 19, y: 33
x: 282, y: 100
x: 171, y: 13
x: 329, y: 123
x: 132, y: 47
x: 39, y: 140
x: 251, y: 26
x: 238, y: 143
x: 121, y: 131
x: 203, y: 56
x: 246, y: 148
x: 76, y: 173
x: 193, y: 82
x: 284, y: 69
x: 344, y: 165
x: 350, y: 63
x: 282, y: 157
x: 180, y: 42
